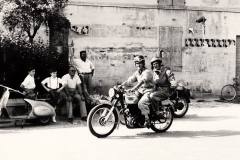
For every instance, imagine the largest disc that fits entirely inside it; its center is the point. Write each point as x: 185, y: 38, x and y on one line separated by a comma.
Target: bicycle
x: 229, y: 91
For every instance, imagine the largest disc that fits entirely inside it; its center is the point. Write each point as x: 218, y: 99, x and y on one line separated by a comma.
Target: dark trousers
x: 162, y: 93
x: 87, y: 79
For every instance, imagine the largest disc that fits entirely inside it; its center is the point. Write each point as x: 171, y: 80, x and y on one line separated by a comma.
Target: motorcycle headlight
x: 111, y: 92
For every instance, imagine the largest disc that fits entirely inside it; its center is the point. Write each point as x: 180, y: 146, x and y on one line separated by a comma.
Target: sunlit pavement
x: 210, y: 130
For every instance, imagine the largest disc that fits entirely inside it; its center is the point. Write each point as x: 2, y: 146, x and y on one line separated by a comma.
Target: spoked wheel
x: 164, y: 121
x: 228, y: 92
x: 100, y: 123
x: 181, y: 108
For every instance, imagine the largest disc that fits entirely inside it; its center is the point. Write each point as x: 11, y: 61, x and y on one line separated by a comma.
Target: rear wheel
x: 99, y: 124
x: 181, y: 108
x: 228, y: 92
x: 164, y: 121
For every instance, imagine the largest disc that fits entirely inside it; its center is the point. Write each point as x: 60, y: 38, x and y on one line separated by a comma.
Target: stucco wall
x: 214, y: 3
x: 189, y: 3
x: 116, y: 34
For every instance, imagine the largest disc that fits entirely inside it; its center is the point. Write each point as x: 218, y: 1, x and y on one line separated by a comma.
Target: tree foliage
x: 27, y: 16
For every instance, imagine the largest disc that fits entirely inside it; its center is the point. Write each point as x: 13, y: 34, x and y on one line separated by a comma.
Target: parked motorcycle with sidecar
x: 20, y: 109
x: 180, y: 97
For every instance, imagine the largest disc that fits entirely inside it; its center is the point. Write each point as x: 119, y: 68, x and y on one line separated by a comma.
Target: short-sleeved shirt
x: 29, y: 82
x: 83, y: 66
x: 146, y: 76
x: 52, y: 83
x: 71, y: 82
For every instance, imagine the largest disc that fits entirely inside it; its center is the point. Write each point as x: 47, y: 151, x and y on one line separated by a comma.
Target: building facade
x: 200, y: 38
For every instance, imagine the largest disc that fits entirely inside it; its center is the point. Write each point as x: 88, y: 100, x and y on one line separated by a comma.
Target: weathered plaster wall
x: 116, y: 34
x: 119, y: 1
x: 189, y: 3
x: 214, y: 3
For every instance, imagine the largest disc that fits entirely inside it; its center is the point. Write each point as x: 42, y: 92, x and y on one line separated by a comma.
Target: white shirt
x: 52, y: 83
x: 146, y: 76
x: 83, y: 67
x: 29, y: 82
x: 71, y: 82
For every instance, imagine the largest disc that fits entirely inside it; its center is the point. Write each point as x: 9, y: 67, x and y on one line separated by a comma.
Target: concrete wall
x: 189, y: 3
x: 116, y: 33
x: 214, y: 3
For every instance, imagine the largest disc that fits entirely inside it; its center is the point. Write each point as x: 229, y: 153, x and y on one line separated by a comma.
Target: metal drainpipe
x: 158, y: 32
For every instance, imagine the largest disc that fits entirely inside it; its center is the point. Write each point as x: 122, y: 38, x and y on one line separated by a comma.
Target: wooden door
x: 238, y: 55
x: 170, y: 40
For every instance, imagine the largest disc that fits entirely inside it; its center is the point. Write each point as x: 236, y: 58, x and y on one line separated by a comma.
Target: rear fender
x: 168, y: 103
x: 40, y: 108
x: 185, y: 94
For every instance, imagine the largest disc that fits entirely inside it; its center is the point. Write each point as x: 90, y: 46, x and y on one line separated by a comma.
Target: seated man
x: 53, y: 85
x: 28, y: 85
x: 72, y: 92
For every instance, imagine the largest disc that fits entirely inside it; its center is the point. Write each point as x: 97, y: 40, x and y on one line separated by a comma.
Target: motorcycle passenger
x: 144, y: 86
x: 163, y: 79
x: 28, y: 85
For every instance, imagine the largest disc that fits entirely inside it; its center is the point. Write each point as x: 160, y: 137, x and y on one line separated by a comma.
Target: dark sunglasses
x: 72, y: 70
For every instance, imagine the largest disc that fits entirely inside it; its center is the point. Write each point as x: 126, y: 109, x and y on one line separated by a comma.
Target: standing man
x: 73, y: 92
x: 85, y: 69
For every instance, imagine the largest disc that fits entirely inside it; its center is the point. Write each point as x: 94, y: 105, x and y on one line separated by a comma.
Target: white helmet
x: 156, y: 59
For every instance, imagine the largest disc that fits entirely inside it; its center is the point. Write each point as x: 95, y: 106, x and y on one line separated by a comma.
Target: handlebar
x: 11, y: 89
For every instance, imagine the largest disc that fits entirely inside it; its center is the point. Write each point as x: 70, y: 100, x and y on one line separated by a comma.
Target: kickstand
x: 22, y: 123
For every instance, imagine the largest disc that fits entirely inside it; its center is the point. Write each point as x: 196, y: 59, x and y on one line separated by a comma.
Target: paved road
x: 211, y: 130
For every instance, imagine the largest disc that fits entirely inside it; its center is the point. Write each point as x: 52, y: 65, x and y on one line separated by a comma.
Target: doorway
x: 238, y: 55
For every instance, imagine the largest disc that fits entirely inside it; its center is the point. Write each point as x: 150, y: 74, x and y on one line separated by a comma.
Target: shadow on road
x: 196, y: 117
x: 11, y: 128
x: 180, y: 134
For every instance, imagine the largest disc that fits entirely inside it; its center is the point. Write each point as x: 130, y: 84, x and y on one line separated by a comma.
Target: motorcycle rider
x: 144, y: 87
x: 163, y: 79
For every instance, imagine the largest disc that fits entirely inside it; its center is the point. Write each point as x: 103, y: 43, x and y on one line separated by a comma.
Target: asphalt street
x: 210, y: 130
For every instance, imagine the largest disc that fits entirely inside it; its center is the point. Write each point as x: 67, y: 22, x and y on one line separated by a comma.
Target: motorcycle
x: 123, y: 108
x: 180, y: 97
x: 23, y: 109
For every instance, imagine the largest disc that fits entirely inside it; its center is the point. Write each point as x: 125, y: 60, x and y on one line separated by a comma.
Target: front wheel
x: 44, y: 120
x: 180, y: 108
x: 100, y: 123
x: 164, y: 121
x: 228, y: 92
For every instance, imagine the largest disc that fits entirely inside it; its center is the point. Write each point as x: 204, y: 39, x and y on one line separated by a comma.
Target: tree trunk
x: 58, y: 41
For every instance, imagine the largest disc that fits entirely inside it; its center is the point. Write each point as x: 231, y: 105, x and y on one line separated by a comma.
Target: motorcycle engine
x: 131, y: 99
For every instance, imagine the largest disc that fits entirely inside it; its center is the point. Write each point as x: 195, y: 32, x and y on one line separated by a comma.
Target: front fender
x: 107, y: 103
